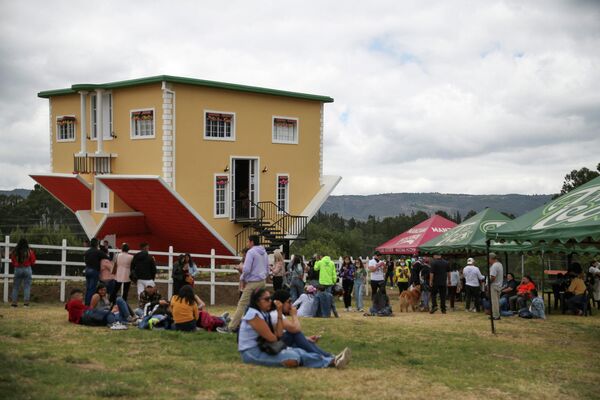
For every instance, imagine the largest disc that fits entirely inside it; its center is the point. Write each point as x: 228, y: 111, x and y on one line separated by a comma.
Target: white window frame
x: 287, y: 193
x: 58, y: 140
x: 227, y: 189
x: 98, y: 184
x: 233, y: 126
x: 93, y: 116
x: 274, y: 140
x: 131, y: 124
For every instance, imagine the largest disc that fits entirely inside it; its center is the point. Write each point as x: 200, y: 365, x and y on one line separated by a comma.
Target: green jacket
x: 327, y: 274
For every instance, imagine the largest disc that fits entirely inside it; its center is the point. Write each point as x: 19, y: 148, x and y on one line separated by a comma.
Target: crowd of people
x: 266, y: 321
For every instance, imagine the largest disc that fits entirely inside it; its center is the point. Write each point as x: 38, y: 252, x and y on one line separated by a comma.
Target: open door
x: 243, y: 189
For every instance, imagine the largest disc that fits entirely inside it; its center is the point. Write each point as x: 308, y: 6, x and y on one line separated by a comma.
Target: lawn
x: 409, y: 356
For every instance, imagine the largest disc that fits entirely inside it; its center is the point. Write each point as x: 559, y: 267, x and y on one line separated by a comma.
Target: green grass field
x: 409, y: 356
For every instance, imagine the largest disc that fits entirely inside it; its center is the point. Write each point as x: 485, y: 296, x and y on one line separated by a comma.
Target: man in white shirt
x: 473, y: 278
x: 377, y: 268
x: 496, y: 278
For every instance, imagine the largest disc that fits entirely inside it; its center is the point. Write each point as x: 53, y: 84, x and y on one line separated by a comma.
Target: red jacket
x: 525, y: 288
x: 29, y: 262
x: 76, y: 308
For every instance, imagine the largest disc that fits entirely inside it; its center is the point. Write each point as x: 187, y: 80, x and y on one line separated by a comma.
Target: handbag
x: 271, y: 348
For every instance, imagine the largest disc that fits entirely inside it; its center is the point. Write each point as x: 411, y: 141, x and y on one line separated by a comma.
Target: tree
x: 470, y: 214
x: 577, y: 178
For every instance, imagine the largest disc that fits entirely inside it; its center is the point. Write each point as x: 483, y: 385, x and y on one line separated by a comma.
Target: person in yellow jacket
x: 327, y: 273
x: 402, y: 275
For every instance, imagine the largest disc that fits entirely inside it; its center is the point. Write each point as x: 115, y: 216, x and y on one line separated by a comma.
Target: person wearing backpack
x: 312, y: 275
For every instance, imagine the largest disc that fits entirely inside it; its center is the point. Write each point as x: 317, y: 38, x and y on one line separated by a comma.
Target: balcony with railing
x: 92, y: 163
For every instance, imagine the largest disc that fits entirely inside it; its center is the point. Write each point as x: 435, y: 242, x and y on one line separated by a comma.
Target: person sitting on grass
x: 116, y: 316
x: 381, y: 306
x: 75, y: 306
x: 536, y: 309
x: 305, y: 303
x: 523, y: 293
x: 292, y: 330
x: 324, y: 303
x: 208, y: 321
x: 258, y: 332
x: 148, y: 300
x: 185, y: 309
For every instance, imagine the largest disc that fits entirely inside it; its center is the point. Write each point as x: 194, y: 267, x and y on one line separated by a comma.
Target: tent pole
x: 522, y: 265
x: 489, y: 286
x: 506, y: 263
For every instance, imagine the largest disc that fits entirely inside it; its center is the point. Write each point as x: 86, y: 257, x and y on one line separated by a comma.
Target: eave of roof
x: 186, y: 81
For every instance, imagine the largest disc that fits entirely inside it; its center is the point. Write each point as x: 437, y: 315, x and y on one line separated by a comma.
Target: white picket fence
x: 63, y: 278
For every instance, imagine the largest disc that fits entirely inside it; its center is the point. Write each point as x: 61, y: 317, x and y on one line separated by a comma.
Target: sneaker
x: 224, y: 329
x: 117, y: 326
x: 443, y: 311
x: 346, y: 309
x: 26, y: 305
x: 342, y: 359
x: 496, y: 318
x: 433, y: 309
x: 225, y: 316
x: 473, y: 310
x: 361, y: 310
x: 152, y: 322
x: 14, y: 305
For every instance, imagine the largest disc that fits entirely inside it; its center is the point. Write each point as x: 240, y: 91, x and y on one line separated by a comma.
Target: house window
x: 107, y: 123
x: 101, y: 197
x: 285, y: 130
x: 142, y: 124
x: 219, y: 126
x: 65, y: 128
x: 221, y: 195
x: 283, y: 192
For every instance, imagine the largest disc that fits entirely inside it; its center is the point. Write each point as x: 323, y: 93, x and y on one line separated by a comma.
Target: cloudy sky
x: 447, y: 96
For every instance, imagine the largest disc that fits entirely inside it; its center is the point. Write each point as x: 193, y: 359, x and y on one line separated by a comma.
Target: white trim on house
x: 97, y: 200
x: 131, y: 122
x: 112, y: 116
x: 74, y: 129
x: 106, y: 216
x: 329, y: 183
x: 233, y: 126
x: 321, y: 147
x: 180, y: 199
x: 87, y: 222
x: 227, y: 195
x: 168, y: 134
x: 64, y: 175
x: 258, y: 172
x: 287, y: 191
x: 273, y: 140
x: 51, y: 125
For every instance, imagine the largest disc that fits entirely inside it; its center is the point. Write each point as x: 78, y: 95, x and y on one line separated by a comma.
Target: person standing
x: 402, y: 276
x: 389, y: 274
x: 278, y: 270
x: 473, y: 278
x: 92, y: 258
x: 22, y: 259
x: 438, y: 281
x: 327, y: 274
x: 453, y: 285
x: 143, y: 267
x: 425, y: 284
x: 415, y: 272
x: 254, y: 275
x: 360, y: 279
x: 377, y: 268
x: 312, y: 276
x: 296, y: 278
x: 496, y: 276
x: 347, y: 273
x: 122, y: 271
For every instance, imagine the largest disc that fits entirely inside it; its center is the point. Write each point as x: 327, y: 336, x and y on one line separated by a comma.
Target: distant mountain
x: 392, y: 204
x: 15, y: 192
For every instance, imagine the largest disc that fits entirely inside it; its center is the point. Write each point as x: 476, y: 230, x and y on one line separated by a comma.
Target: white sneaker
x: 117, y: 326
x: 342, y: 359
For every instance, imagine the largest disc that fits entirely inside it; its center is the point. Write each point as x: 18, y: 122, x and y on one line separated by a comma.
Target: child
x: 75, y: 306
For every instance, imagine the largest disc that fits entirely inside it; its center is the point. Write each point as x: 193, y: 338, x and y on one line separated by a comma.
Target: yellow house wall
x: 197, y: 160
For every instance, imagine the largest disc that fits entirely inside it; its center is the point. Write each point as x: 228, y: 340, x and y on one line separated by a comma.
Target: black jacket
x: 143, y: 266
x: 92, y: 258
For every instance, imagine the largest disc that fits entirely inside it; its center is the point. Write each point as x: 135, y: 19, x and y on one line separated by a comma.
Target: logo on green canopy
x: 458, y: 234
x: 488, y: 226
x: 575, y: 207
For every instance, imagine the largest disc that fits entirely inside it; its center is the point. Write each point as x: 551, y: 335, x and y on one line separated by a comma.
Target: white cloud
x: 456, y: 96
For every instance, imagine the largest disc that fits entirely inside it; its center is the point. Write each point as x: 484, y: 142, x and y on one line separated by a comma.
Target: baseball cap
x: 494, y: 256
x: 470, y: 261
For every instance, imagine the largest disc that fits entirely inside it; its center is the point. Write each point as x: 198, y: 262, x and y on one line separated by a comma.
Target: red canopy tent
x: 409, y: 241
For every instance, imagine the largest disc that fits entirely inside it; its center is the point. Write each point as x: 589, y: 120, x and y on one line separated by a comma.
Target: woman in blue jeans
x: 257, y: 323
x: 116, y: 316
x: 22, y: 259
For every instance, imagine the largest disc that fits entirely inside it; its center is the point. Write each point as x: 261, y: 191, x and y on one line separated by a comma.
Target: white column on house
x: 99, y: 119
x: 83, y: 123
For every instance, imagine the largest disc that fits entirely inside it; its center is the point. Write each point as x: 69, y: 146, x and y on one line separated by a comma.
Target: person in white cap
x: 473, y: 278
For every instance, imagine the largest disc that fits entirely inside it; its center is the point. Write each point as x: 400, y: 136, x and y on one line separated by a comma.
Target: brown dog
x: 410, y: 297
